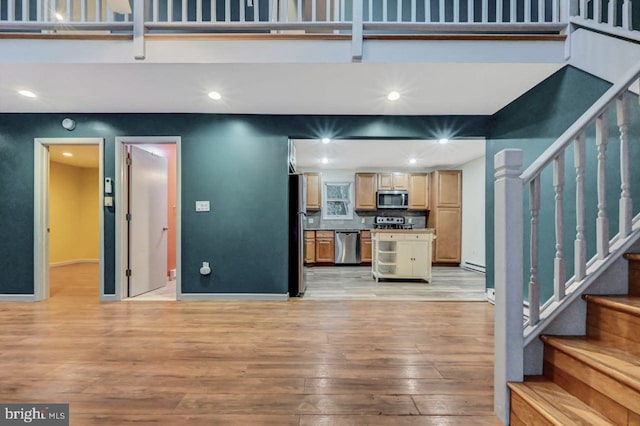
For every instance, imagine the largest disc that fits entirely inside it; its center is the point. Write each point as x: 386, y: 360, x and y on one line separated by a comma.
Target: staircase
x: 592, y: 379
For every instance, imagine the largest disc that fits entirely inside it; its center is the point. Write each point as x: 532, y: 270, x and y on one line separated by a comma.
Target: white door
x: 148, y: 224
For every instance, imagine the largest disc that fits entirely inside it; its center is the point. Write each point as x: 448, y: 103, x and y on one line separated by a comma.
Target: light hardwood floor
x: 357, y: 283
x: 248, y: 363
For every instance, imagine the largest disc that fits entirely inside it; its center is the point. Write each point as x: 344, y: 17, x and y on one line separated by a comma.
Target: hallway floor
x: 250, y: 363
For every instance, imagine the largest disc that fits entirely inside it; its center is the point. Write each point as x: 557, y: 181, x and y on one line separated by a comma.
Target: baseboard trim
x: 17, y: 298
x: 109, y: 298
x: 474, y: 267
x: 73, y: 262
x: 235, y: 296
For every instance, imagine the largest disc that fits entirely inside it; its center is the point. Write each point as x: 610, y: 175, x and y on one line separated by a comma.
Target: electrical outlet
x: 362, y: 220
x: 310, y: 220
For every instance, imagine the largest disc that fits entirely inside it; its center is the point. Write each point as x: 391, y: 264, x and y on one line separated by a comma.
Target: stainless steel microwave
x: 393, y: 199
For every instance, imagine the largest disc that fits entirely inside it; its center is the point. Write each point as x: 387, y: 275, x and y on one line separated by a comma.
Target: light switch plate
x: 108, y: 201
x: 202, y: 206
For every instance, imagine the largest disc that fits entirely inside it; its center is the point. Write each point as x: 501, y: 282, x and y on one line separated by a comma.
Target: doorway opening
x: 148, y: 218
x: 391, y: 219
x: 68, y: 218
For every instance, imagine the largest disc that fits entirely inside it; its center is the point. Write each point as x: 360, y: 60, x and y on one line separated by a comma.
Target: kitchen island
x: 402, y: 254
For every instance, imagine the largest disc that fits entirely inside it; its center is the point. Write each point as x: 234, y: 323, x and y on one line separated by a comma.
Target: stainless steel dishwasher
x: 347, y: 247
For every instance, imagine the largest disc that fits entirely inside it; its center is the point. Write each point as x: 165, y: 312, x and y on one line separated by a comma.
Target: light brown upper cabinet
x: 447, y: 187
x: 392, y: 181
x: 446, y: 215
x: 366, y: 191
x: 314, y: 190
x: 419, y: 191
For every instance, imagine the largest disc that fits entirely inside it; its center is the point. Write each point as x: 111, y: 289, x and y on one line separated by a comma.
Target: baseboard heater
x: 473, y: 267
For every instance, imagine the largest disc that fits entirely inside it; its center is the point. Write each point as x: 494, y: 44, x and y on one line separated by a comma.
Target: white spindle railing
x: 594, y: 14
x: 510, y: 305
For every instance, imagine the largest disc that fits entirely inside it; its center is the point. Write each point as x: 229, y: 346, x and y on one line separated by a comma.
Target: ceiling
x: 82, y: 155
x: 353, y: 88
x: 372, y: 154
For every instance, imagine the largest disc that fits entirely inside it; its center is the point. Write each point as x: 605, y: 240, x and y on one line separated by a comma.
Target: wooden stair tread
x: 619, y: 365
x: 555, y: 404
x: 622, y: 303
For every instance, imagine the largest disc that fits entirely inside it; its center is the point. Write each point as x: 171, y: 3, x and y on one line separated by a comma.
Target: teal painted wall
x: 238, y: 162
x: 532, y: 123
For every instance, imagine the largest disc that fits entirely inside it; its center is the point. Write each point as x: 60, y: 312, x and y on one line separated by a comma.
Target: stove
x: 391, y: 222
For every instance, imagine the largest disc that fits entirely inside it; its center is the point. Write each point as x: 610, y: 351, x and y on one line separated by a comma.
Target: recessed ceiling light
x: 326, y: 140
x: 59, y: 16
x: 412, y: 161
x: 67, y: 154
x: 325, y: 160
x: 393, y: 96
x: 215, y: 95
x: 443, y: 141
x: 27, y: 93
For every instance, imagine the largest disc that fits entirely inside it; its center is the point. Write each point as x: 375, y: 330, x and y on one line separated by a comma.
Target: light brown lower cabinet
x: 309, y: 247
x: 365, y: 246
x: 325, y: 247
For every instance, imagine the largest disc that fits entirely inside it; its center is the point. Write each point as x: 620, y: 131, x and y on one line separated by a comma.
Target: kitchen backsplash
x: 417, y: 219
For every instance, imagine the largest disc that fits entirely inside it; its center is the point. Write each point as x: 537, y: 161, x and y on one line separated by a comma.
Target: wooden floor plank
x: 240, y: 363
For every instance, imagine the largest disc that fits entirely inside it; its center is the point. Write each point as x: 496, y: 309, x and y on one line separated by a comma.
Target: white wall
x: 473, y: 202
x: 603, y: 56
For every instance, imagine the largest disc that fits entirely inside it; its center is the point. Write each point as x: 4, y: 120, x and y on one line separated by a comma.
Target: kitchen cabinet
x: 325, y: 246
x: 419, y: 191
x: 309, y: 247
x: 365, y: 247
x: 393, y: 181
x: 402, y: 254
x: 446, y: 215
x: 366, y: 186
x: 313, y: 183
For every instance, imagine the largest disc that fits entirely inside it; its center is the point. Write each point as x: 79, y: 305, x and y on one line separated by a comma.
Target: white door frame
x: 41, y: 206
x: 121, y: 207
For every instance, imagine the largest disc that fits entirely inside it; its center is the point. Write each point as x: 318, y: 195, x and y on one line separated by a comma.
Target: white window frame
x: 326, y: 199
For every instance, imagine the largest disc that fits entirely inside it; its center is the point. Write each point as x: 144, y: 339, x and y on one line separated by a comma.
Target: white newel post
x: 138, y: 29
x: 508, y: 231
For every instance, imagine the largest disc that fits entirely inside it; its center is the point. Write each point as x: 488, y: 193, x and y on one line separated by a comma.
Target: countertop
x: 404, y: 231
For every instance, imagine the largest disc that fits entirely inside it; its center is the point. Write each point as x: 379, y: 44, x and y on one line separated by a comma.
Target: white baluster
x: 198, y: 10
x: 256, y: 10
x: 370, y: 10
x: 583, y: 9
x: 384, y: 11
x: 328, y: 9
x: 470, y: 11
x: 39, y: 10
x: 602, y: 222
x: 622, y: 107
x: 184, y: 10
x: 214, y: 12
x: 10, y: 15
x: 68, y: 11
x: 427, y: 10
x: 54, y: 9
x: 155, y: 14
x: 555, y: 11
x: 83, y: 11
x: 597, y: 11
x: 626, y: 15
x: 534, y: 289
x: 612, y: 17
x: 227, y: 10
x: 512, y: 11
x: 25, y: 10
x: 508, y: 340
x: 241, y: 6
x: 541, y: 10
x: 499, y: 10
x: 527, y: 11
x: 314, y: 18
x: 580, y: 243
x: 98, y: 12
x: 413, y: 10
x: 169, y: 10
x: 559, y: 263
x: 399, y: 11
x: 441, y: 11
x: 485, y: 10
x: 456, y: 11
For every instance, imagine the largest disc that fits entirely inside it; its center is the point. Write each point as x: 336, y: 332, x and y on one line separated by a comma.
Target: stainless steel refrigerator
x: 297, y: 215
